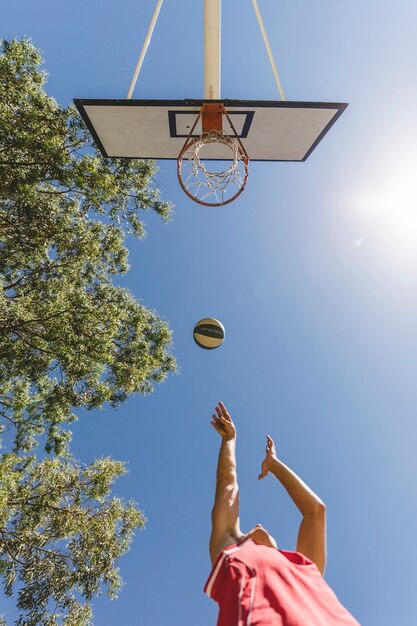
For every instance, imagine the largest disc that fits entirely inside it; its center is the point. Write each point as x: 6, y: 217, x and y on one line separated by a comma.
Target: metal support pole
x: 144, y: 49
x: 212, y: 45
x: 268, y: 48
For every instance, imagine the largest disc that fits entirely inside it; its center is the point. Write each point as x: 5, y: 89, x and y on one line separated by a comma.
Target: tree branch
x: 10, y: 553
x: 8, y: 419
x: 31, y: 345
x: 60, y: 555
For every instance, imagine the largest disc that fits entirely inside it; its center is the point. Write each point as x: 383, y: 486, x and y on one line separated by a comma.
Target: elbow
x: 318, y: 509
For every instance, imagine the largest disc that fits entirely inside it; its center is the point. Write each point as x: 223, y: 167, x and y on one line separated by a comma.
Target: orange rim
x: 211, y: 115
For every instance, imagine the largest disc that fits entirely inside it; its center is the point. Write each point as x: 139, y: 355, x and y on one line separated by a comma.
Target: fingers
x: 270, y: 445
x: 215, y: 422
x: 217, y: 427
x: 220, y: 415
x: 223, y: 411
x: 223, y: 416
x: 223, y: 408
x: 220, y: 420
x: 264, y: 471
x: 218, y: 424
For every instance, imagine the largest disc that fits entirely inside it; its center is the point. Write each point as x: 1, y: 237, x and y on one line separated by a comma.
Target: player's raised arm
x: 225, y: 514
x: 312, y: 534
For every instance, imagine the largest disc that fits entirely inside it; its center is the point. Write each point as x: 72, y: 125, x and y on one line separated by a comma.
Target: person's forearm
x: 226, y: 466
x: 303, y: 497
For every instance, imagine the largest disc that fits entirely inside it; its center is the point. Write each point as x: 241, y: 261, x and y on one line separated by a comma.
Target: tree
x: 69, y: 339
x: 61, y: 534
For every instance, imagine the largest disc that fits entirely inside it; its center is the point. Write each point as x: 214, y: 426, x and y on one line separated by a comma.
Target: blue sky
x: 313, y: 272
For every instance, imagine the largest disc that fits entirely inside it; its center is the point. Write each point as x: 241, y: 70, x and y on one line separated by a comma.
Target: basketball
x: 209, y: 333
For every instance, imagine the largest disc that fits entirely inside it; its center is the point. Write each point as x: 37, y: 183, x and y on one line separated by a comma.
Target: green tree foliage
x: 61, y: 534
x: 69, y: 339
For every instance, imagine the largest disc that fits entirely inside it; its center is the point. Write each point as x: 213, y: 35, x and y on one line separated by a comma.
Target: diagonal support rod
x: 268, y: 48
x: 145, y: 48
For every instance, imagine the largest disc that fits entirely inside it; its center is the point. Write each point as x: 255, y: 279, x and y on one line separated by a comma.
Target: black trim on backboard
x: 81, y: 103
x: 173, y: 123
x: 325, y: 130
x: 81, y: 110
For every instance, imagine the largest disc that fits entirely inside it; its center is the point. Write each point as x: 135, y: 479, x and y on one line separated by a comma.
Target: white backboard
x: 157, y: 129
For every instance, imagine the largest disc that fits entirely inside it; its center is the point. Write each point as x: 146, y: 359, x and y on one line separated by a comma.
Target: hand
x: 270, y: 457
x: 223, y: 423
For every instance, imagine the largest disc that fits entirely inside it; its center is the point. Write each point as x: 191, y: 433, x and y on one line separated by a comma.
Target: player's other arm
x: 225, y: 514
x: 311, y: 539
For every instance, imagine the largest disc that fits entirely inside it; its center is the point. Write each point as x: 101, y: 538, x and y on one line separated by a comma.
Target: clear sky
x: 313, y: 271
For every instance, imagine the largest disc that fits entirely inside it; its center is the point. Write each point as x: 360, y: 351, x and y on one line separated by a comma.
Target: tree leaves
x: 61, y: 533
x: 69, y: 339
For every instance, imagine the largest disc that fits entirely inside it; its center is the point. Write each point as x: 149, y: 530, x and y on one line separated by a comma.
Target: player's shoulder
x: 297, y: 558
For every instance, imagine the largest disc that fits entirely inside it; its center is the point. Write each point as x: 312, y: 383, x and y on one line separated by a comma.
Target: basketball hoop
x: 155, y: 129
x: 200, y: 182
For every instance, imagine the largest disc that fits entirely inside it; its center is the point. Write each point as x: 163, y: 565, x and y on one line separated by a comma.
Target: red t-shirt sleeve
x: 230, y: 586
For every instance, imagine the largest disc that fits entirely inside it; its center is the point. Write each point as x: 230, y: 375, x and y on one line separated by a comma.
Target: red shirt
x: 257, y: 585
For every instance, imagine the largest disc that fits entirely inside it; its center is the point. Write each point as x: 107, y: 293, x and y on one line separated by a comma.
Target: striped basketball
x: 209, y: 333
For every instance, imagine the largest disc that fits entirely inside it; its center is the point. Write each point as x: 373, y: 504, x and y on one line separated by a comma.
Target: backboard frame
x: 188, y: 105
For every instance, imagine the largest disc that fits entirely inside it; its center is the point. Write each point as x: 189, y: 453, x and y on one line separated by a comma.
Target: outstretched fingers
x: 216, y: 421
x: 270, y: 445
x: 223, y: 423
x: 223, y: 416
x: 270, y: 452
x: 216, y: 425
x: 222, y: 412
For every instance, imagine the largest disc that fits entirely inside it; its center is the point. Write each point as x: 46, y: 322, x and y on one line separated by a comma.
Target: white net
x: 204, y: 185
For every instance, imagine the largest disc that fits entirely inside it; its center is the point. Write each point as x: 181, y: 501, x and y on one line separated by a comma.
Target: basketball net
x: 201, y: 183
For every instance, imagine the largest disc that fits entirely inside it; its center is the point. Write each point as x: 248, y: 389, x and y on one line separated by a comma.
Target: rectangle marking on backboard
x: 181, y: 122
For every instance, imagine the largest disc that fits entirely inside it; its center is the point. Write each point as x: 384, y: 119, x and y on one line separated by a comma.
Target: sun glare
x: 388, y: 217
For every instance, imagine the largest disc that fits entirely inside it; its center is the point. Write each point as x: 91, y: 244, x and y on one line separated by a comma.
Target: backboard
x: 157, y: 129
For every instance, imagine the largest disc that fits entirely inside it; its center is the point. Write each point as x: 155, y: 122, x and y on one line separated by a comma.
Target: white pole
x: 212, y: 44
x: 144, y: 49
x: 268, y: 48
